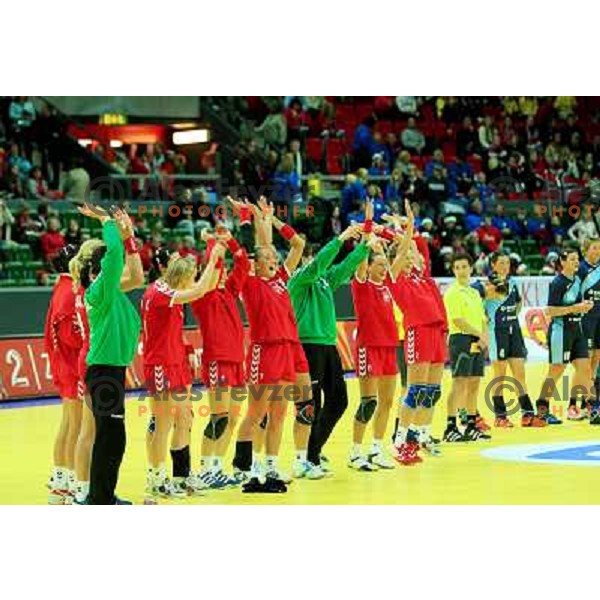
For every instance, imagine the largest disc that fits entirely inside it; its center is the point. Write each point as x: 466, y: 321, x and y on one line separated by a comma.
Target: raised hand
x: 369, y: 210
x: 124, y: 224
x: 93, y: 211
x: 223, y: 235
x: 351, y: 232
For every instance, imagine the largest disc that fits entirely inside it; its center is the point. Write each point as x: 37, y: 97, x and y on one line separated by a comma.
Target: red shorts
x: 221, y: 373
x: 160, y: 378
x: 425, y: 344
x: 275, y: 362
x: 376, y: 361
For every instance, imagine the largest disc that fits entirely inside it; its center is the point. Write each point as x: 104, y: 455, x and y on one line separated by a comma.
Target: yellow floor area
x: 461, y: 476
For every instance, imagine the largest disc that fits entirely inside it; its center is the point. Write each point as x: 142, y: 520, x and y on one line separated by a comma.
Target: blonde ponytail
x: 82, y: 257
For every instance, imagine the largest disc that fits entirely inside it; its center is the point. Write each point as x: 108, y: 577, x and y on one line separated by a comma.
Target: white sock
x: 255, y: 459
x: 271, y: 463
x: 205, y: 464
x: 301, y: 455
x: 161, y: 472
x: 71, y: 480
x: 400, y: 436
x: 217, y: 464
x: 424, y: 433
x: 356, y: 450
x: 60, y: 480
x: 376, y: 447
x: 82, y: 489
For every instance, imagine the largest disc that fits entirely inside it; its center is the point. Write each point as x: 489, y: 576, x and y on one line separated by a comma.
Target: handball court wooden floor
x: 461, y: 476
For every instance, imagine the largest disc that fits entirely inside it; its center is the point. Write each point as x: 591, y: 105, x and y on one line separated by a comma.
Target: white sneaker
x: 304, y: 468
x: 360, y: 463
x: 317, y: 472
x: 283, y: 476
x: 381, y: 460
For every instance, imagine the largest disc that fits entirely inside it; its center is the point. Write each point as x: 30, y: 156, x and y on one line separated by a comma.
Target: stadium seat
x: 314, y: 149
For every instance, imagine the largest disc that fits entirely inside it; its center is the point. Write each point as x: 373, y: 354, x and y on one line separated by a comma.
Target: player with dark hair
x: 589, y: 274
x: 63, y: 342
x: 276, y: 363
x: 502, y: 304
x: 223, y: 370
x: 467, y: 341
x: 418, y: 297
x: 166, y: 371
x: 312, y: 290
x: 376, y: 343
x: 567, y: 342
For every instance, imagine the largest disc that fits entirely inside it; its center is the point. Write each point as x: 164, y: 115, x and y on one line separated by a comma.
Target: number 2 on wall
x: 14, y: 358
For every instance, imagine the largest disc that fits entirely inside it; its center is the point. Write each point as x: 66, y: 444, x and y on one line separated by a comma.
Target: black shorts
x: 507, y: 342
x: 402, y: 364
x: 465, y: 362
x: 591, y: 329
x: 566, y: 342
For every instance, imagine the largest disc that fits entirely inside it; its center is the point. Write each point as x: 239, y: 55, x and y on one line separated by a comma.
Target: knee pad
x: 433, y: 393
x: 263, y: 424
x: 366, y: 409
x: 215, y: 427
x: 152, y: 424
x: 305, y: 412
x: 415, y: 396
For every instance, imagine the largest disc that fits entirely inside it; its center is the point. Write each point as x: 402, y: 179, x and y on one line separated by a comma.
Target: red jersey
x: 269, y: 308
x: 162, y: 326
x: 419, y: 299
x: 219, y: 318
x: 417, y: 294
x: 62, y: 333
x: 374, y: 309
x: 84, y: 329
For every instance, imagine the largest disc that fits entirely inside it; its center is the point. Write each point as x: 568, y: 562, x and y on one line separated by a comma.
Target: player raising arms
x: 276, y: 363
x: 63, y: 341
x: 589, y: 274
x: 567, y: 342
x: 223, y: 371
x: 376, y: 343
x: 132, y: 278
x: 502, y: 303
x: 426, y: 327
x: 165, y: 359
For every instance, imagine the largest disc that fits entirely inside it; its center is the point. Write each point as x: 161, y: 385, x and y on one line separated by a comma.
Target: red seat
x: 314, y: 149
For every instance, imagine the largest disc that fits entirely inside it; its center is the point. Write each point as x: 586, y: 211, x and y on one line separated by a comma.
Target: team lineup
x: 406, y: 333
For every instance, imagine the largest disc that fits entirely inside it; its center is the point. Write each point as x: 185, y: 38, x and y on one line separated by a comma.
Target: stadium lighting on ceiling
x: 191, y: 136
x: 116, y: 143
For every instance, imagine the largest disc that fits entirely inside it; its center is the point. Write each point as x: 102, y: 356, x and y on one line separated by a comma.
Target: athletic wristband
x: 131, y: 246
x: 287, y: 232
x: 368, y: 228
x: 245, y: 215
x: 233, y: 245
x: 387, y: 233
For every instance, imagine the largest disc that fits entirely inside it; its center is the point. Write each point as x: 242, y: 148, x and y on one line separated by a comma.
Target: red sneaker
x: 408, y: 454
x: 532, y: 421
x: 503, y: 423
x: 481, y: 424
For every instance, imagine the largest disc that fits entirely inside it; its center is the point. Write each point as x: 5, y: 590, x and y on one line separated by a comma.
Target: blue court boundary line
x: 51, y: 400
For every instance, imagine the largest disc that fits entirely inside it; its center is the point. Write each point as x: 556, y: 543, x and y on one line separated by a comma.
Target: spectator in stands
x: 149, y: 249
x: 412, y: 138
x: 489, y: 236
x: 52, y: 240
x: 414, y: 187
x: 17, y: 158
x: 296, y: 120
x: 407, y: 105
x: 391, y: 149
x: 565, y: 106
x: 551, y: 265
x: 378, y: 166
x: 48, y: 131
x: 437, y: 188
x: 362, y: 147
x: 21, y: 113
x: 467, y: 140
x: 583, y: 229
x: 37, y: 188
x: 528, y: 106
x: 486, y: 132
x: 403, y: 163
x: 73, y: 233
x: 286, y: 183
x: 532, y: 134
x: 314, y: 106
x: 353, y: 195
x: 474, y: 218
x: 76, y: 183
x: 187, y: 247
x: 273, y: 132
x: 393, y: 189
x: 6, y: 221
x: 375, y: 195
x: 460, y: 176
x: 437, y: 161
x: 502, y: 222
x: 296, y: 158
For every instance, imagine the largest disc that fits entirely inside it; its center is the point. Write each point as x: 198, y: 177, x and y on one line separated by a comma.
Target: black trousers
x: 106, y: 387
x: 329, y: 393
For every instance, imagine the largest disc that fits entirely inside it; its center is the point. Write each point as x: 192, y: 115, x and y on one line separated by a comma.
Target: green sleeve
x: 318, y: 266
x: 108, y: 282
x: 342, y: 273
